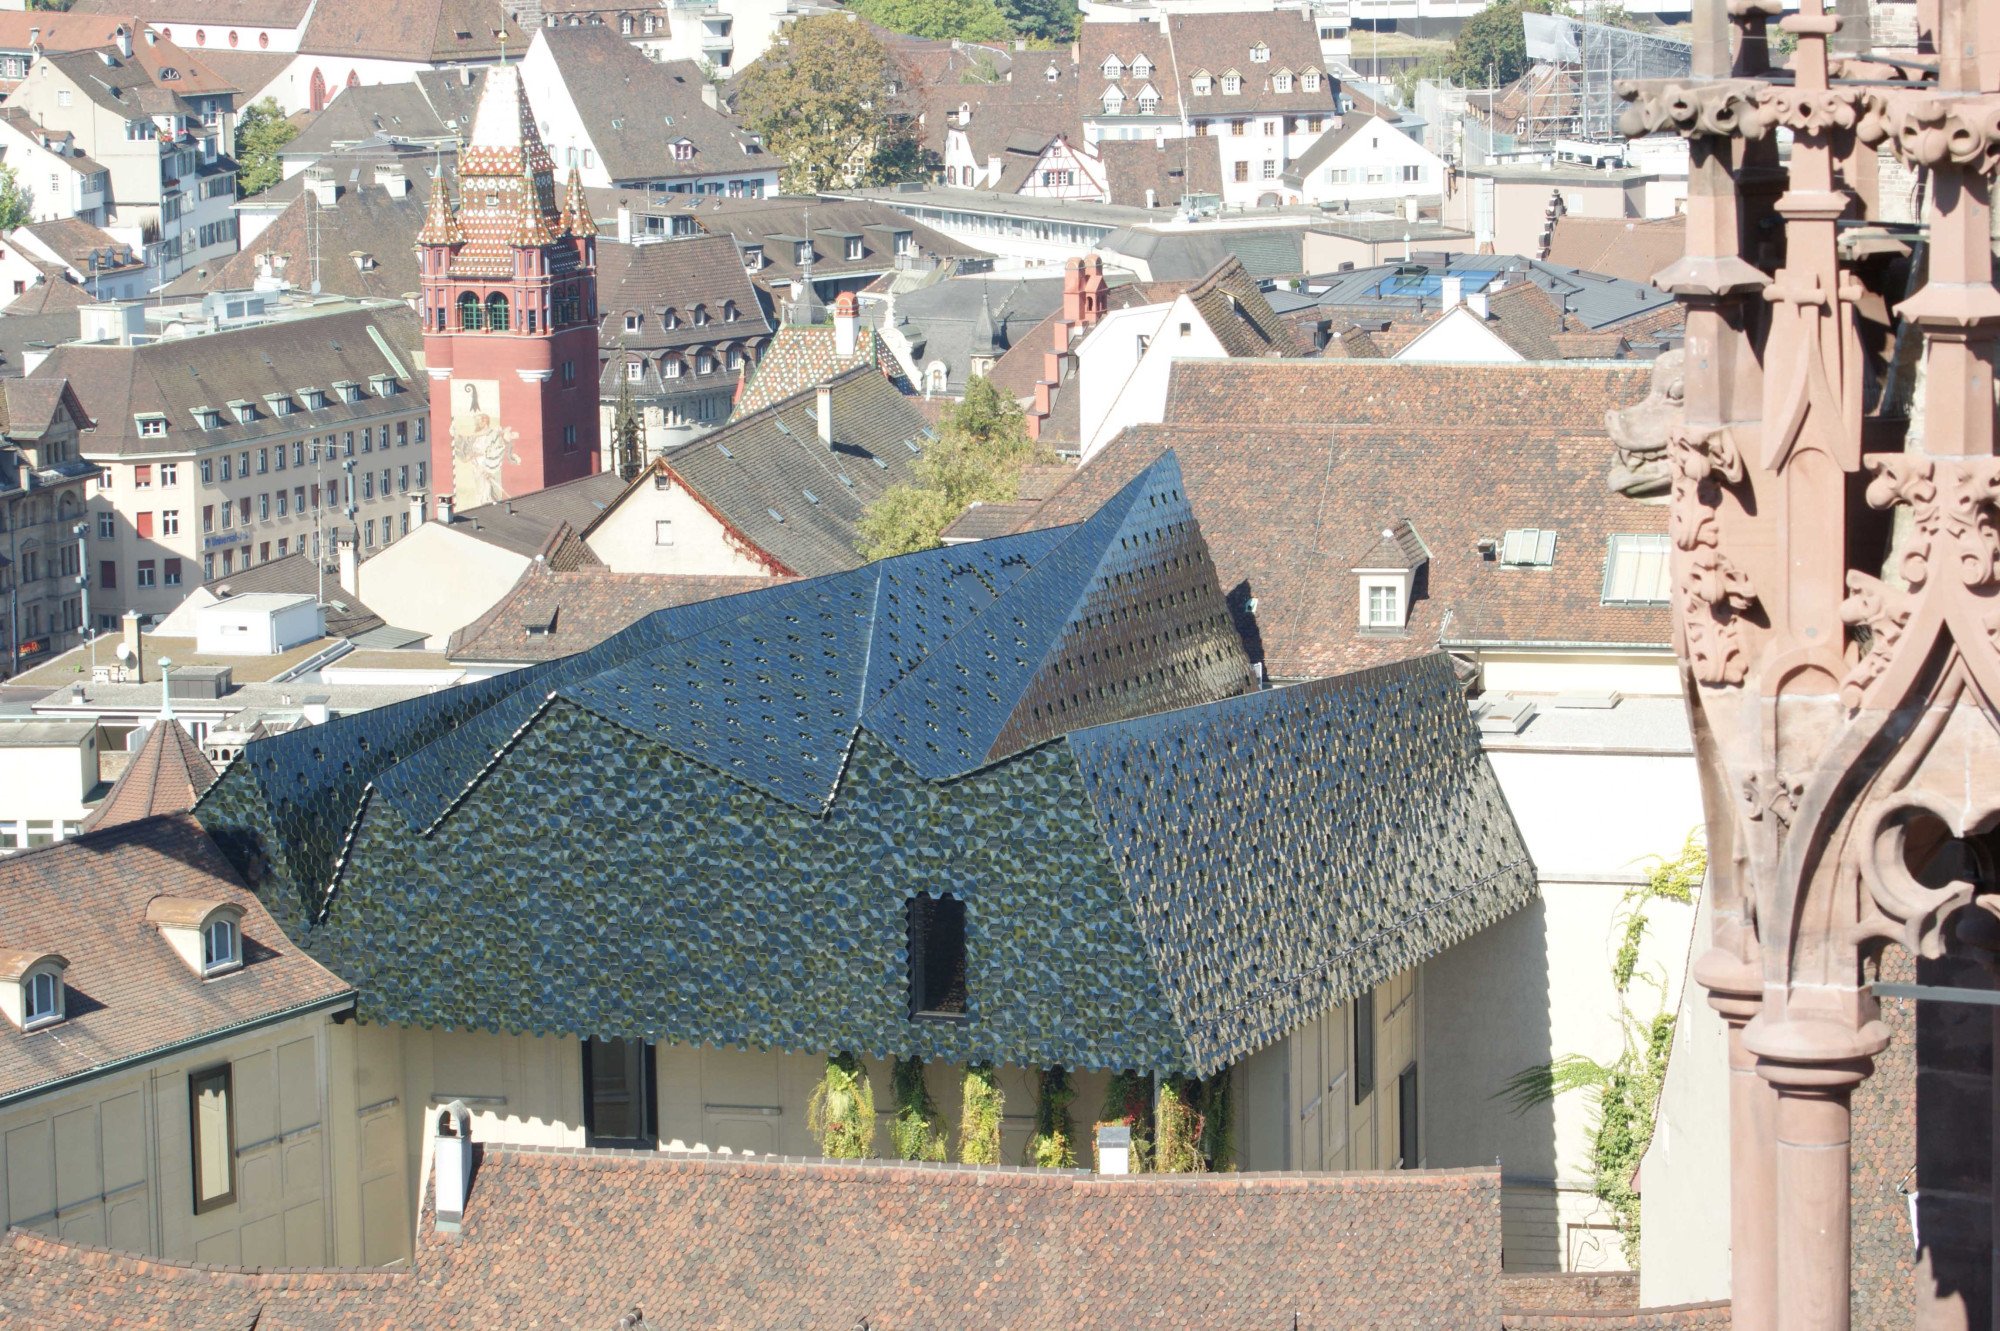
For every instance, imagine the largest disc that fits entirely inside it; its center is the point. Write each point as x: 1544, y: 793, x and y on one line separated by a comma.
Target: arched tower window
x: 496, y: 312
x: 468, y: 313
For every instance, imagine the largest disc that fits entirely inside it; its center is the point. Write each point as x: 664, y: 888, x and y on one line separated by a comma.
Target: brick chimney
x: 846, y: 324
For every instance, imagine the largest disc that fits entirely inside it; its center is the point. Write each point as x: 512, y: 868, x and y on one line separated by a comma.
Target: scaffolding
x: 1585, y: 63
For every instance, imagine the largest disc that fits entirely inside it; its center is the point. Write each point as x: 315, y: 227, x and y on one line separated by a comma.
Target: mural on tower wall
x: 481, y: 445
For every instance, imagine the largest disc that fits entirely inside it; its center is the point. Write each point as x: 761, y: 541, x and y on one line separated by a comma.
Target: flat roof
x: 74, y: 664
x: 1581, y: 722
x: 1569, y: 173
x: 43, y: 734
x: 262, y: 603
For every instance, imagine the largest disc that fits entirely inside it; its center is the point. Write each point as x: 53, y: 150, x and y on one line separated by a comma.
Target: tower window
x: 937, y: 956
x: 469, y: 318
x: 496, y: 312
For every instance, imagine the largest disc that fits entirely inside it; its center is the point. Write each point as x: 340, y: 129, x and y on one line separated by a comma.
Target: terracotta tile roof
x: 365, y: 219
x: 582, y: 1238
x: 55, y: 294
x: 796, y: 359
x: 1234, y: 309
x: 635, y: 109
x: 130, y: 994
x: 1681, y: 1317
x: 88, y: 249
x: 1181, y: 46
x: 679, y: 275
x: 549, y: 614
x: 1014, y: 122
x: 1618, y: 246
x: 167, y: 775
x: 1294, y: 468
x: 428, y: 32
x: 1169, y: 168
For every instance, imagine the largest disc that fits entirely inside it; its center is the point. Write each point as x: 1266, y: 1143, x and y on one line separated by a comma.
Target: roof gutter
x: 346, y: 998
x: 1531, y: 644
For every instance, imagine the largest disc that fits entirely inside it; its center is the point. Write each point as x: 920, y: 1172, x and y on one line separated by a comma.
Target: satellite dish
x: 125, y: 651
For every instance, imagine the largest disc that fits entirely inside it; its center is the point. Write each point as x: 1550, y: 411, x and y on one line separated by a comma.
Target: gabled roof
x: 168, y: 774
x: 678, y: 274
x: 90, y: 250
x: 1183, y: 45
x: 365, y: 219
x: 1235, y: 311
x: 435, y: 107
x: 524, y: 524
x: 581, y: 1239
x: 344, y: 615
x: 793, y: 498
x: 430, y: 32
x: 734, y: 800
x: 635, y: 108
x: 1344, y: 130
x: 29, y: 406
x: 1170, y: 169
x: 1358, y: 441
x: 130, y: 994
x: 797, y: 358
x: 551, y: 614
x: 1617, y: 246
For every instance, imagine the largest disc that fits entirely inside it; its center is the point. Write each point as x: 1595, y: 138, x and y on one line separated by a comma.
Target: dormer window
x: 631, y: 323
x: 1388, y: 572
x: 670, y: 319
x: 245, y: 412
x: 1310, y: 80
x: 152, y: 426
x: 729, y: 311
x: 1114, y: 68
x: 383, y: 385
x: 802, y: 253
x: 1149, y: 100
x: 1282, y: 81
x: 31, y: 988
x: 1203, y: 83
x: 1232, y: 83
x: 347, y: 390
x: 1142, y: 68
x: 683, y: 150
x: 753, y: 258
x: 206, y: 934
x: 315, y: 398
x: 1385, y: 606
x: 1259, y: 53
x: 281, y: 405
x: 1114, y: 101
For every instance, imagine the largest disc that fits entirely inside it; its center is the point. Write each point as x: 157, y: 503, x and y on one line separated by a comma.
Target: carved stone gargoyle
x: 1639, y: 433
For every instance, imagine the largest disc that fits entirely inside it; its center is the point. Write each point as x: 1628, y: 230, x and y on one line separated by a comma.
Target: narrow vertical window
x: 618, y: 1108
x: 1364, y: 1045
x: 1407, y: 1144
x: 937, y: 956
x: 212, y: 1125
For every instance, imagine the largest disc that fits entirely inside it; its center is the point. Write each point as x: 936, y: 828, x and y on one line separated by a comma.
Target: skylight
x: 1527, y: 547
x: 1637, y: 569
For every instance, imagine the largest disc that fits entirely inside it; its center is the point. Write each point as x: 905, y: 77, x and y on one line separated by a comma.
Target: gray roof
x: 524, y: 525
x: 40, y: 734
x: 947, y: 316
x: 296, y: 574
x: 635, y: 109
x: 681, y: 275
x: 1594, y: 300
x: 1184, y: 255
x: 800, y: 501
x: 435, y: 107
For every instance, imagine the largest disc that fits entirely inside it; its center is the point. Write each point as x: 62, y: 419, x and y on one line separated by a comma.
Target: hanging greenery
x: 1626, y: 1091
x: 841, y: 1110
x: 1218, y: 1123
x: 1054, y: 1144
x: 914, y: 1132
x: 1128, y: 1102
x: 979, y: 1117
x: 1179, y: 1123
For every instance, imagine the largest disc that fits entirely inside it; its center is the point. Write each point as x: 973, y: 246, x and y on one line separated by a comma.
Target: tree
x: 970, y: 20
x: 260, y: 132
x: 981, y: 449
x: 828, y: 101
x: 1041, y: 20
x: 1491, y: 50
x: 17, y: 201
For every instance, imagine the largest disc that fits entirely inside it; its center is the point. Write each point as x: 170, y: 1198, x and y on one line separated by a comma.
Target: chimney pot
x: 452, y: 1164
x: 444, y: 509
x: 417, y: 513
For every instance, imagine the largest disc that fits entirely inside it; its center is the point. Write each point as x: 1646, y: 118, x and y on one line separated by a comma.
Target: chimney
x: 825, y: 396
x: 124, y: 38
x: 315, y: 710
x: 451, y: 1162
x: 846, y: 324
x: 1152, y: 198
x: 417, y: 510
x: 709, y: 97
x: 152, y: 38
x: 444, y: 509
x: 1114, y: 1148
x: 132, y: 649
x: 319, y: 183
x: 392, y: 179
x: 1453, y: 292
x: 349, y: 560
x: 1476, y: 302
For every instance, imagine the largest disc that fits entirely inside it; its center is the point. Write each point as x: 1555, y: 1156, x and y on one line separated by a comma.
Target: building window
x: 468, y: 313
x: 1238, y: 128
x: 569, y: 438
x: 142, y: 475
x: 1149, y: 103
x: 107, y: 526
x: 1526, y: 547
x: 1203, y: 84
x: 107, y: 573
x: 1385, y: 608
x: 1407, y: 1145
x: 1310, y: 81
x: 1113, y: 67
x: 170, y: 522
x: 1232, y: 84
x: 146, y: 572
x: 212, y: 1131
x: 1270, y: 170
x: 1142, y: 68
x: 1282, y: 83
x: 937, y: 956
x: 1636, y: 570
x: 1413, y: 175
x: 1242, y: 171
x: 631, y: 323
x: 618, y: 1095
x: 663, y: 532
x: 496, y: 312
x: 170, y: 573
x: 1364, y: 1045
x: 170, y: 473
x: 220, y: 951
x: 44, y: 995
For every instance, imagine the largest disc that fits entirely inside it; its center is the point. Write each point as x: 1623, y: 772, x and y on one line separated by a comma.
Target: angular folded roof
x: 707, y: 828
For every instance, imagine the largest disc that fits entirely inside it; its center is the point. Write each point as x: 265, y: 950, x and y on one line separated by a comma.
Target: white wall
x: 1142, y: 398
x: 629, y: 540
x: 47, y: 783
x: 436, y: 580
x: 1370, y: 165
x: 1633, y: 674
x: 1107, y: 359
x: 1684, y: 1179
x: 1460, y: 337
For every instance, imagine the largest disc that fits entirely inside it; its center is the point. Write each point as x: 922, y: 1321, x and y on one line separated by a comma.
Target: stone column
x: 1735, y: 992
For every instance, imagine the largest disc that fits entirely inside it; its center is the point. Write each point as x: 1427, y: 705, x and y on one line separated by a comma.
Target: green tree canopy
x: 971, y: 20
x: 828, y: 101
x: 981, y: 450
x: 260, y: 132
x: 1041, y: 20
x: 1491, y: 50
x: 17, y: 201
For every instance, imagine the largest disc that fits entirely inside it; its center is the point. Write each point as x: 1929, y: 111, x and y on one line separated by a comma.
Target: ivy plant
x: 914, y: 1132
x: 979, y: 1117
x: 1054, y: 1144
x: 841, y: 1110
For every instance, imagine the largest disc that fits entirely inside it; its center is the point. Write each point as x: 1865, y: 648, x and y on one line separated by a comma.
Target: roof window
x: 31, y: 988
x: 1637, y: 569
x: 207, y: 935
x: 937, y: 956
x: 1527, y: 547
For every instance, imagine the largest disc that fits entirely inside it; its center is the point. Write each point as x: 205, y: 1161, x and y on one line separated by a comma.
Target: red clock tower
x: 510, y: 312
